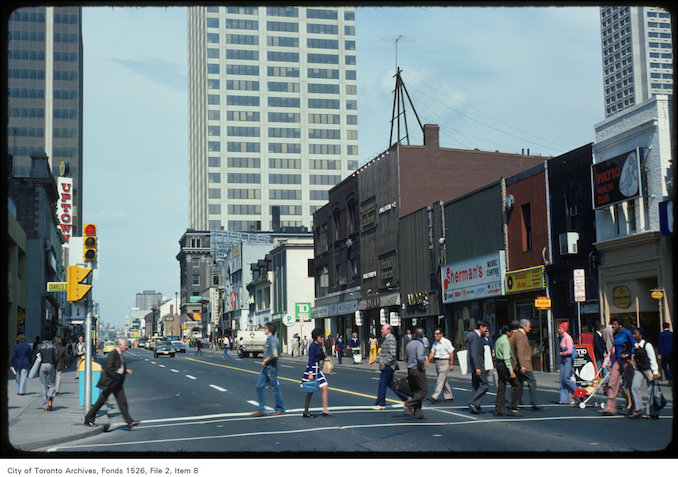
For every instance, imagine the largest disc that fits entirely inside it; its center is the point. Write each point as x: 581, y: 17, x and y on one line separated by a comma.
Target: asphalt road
x: 203, y: 404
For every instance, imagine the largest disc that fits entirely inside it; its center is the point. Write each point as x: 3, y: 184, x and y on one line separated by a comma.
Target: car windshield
x: 164, y: 343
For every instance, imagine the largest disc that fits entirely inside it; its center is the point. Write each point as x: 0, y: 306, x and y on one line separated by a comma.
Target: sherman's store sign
x: 474, y: 279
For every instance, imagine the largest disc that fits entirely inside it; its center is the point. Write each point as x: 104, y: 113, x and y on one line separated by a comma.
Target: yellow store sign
x: 525, y: 280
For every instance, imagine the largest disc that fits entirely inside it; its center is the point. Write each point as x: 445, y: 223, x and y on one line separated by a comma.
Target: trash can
x: 96, y: 374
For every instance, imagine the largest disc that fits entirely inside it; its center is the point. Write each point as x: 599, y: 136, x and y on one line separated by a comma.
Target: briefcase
x: 402, y: 385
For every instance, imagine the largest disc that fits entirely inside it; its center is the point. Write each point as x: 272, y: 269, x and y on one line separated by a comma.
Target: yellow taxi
x: 108, y: 346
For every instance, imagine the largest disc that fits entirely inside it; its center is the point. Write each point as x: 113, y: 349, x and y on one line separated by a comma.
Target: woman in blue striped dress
x: 314, y: 370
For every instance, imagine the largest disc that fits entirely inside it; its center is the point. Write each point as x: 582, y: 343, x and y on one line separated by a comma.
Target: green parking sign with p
x: 303, y: 311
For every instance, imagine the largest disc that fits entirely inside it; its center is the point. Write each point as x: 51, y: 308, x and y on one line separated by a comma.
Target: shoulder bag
x: 658, y: 399
x: 310, y: 386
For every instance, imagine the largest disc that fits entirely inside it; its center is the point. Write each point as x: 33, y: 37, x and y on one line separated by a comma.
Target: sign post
x: 579, y: 295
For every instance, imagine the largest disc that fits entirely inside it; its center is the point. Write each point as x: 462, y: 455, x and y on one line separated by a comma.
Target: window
x: 282, y: 26
x: 283, y: 102
x: 323, y: 103
x: 288, y: 41
x: 323, y: 73
x: 286, y: 56
x: 242, y: 115
x: 196, y: 279
x: 323, y: 88
x: 322, y: 58
x: 283, y: 71
x: 322, y: 28
x: 248, y: 194
x: 242, y: 24
x: 323, y: 43
x: 242, y: 54
x: 242, y: 70
x: 244, y: 162
x: 526, y: 223
x: 321, y: 13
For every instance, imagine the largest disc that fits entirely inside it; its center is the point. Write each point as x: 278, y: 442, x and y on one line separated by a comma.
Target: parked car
x: 108, y: 346
x: 164, y: 348
x: 179, y: 346
x: 141, y: 344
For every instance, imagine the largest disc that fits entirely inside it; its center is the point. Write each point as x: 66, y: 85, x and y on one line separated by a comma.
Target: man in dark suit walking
x: 111, y: 381
x: 476, y: 366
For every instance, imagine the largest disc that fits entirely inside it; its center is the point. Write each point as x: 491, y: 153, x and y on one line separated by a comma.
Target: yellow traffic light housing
x: 75, y: 289
x: 89, y: 243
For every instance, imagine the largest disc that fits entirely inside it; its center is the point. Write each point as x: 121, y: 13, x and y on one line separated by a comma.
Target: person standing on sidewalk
x: 476, y: 366
x: 522, y: 353
x: 111, y: 382
x: 374, y: 344
x: 340, y: 346
x: 49, y: 356
x: 20, y: 363
x: 664, y: 351
x: 416, y: 374
x: 505, y: 373
x: 567, y: 355
x: 386, y: 357
x: 80, y: 349
x: 294, y: 343
x: 62, y: 362
x: 269, y: 373
x: 442, y: 355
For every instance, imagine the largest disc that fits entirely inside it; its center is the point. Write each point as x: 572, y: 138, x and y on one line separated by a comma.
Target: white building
x: 637, y: 55
x: 273, y: 113
x: 293, y: 289
x: 632, y: 181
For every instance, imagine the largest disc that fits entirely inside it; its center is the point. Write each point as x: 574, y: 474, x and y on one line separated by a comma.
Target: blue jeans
x: 226, y: 355
x: 386, y: 380
x: 269, y: 375
x: 567, y: 383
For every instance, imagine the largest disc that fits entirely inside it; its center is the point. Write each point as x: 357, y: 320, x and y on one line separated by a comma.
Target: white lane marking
x: 218, y: 388
x: 461, y: 389
x: 324, y: 429
x: 161, y: 365
x: 375, y: 379
x: 254, y: 403
x: 153, y: 362
x: 286, y: 366
x: 465, y: 416
x: 190, y: 377
x: 174, y: 370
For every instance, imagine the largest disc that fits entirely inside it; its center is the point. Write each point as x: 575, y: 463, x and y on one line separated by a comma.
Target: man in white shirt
x: 442, y: 354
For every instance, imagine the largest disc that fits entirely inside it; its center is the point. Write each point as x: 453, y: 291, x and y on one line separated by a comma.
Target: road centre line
x: 294, y: 380
x: 324, y: 429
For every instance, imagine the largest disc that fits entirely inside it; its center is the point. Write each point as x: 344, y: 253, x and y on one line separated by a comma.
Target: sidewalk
x: 30, y: 427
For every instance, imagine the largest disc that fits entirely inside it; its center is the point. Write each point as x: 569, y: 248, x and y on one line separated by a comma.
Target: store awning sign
x: 525, y: 280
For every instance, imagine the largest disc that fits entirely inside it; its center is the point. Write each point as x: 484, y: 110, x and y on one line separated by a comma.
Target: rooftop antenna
x: 399, y: 94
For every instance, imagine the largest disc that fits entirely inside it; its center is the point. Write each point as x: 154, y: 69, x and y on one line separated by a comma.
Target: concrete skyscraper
x: 637, y: 55
x: 272, y: 113
x: 44, y: 79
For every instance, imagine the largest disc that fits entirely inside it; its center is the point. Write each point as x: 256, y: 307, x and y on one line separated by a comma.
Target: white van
x: 252, y: 342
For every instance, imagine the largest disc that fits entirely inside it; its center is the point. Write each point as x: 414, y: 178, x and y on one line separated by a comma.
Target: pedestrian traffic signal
x: 89, y: 243
x: 75, y: 290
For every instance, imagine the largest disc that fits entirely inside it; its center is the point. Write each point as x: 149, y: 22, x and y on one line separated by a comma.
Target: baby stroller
x: 597, y: 387
x: 357, y: 358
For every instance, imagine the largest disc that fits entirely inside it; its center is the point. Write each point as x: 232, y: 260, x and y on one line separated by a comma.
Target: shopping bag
x: 658, y: 399
x: 463, y: 361
x: 489, y: 362
x: 402, y: 385
x: 36, y: 366
x: 328, y: 366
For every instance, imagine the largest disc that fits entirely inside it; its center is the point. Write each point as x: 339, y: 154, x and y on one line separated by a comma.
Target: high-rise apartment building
x: 272, y: 113
x: 44, y: 79
x: 637, y: 55
x: 147, y: 299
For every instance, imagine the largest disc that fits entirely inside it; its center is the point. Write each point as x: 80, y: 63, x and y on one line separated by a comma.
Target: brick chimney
x: 431, y: 136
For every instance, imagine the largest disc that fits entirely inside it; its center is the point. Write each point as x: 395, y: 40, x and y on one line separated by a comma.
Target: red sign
x: 64, y: 206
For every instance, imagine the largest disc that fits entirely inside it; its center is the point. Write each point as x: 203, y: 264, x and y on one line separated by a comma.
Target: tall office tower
x: 147, y: 299
x: 44, y: 74
x: 272, y: 113
x: 637, y: 55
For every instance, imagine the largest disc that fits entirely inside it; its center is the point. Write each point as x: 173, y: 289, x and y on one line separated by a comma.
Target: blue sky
x: 493, y: 78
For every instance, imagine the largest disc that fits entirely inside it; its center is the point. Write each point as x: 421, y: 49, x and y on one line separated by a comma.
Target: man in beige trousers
x: 442, y: 354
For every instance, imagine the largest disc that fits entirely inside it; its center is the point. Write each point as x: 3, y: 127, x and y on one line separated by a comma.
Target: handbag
x: 402, y: 385
x: 310, y: 386
x: 328, y: 366
x: 658, y: 399
x: 36, y: 366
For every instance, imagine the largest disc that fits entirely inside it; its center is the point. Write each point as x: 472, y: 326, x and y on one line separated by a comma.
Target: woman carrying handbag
x: 314, y: 379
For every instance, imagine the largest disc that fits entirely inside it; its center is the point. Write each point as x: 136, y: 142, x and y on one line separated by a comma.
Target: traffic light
x: 89, y: 243
x: 75, y: 289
